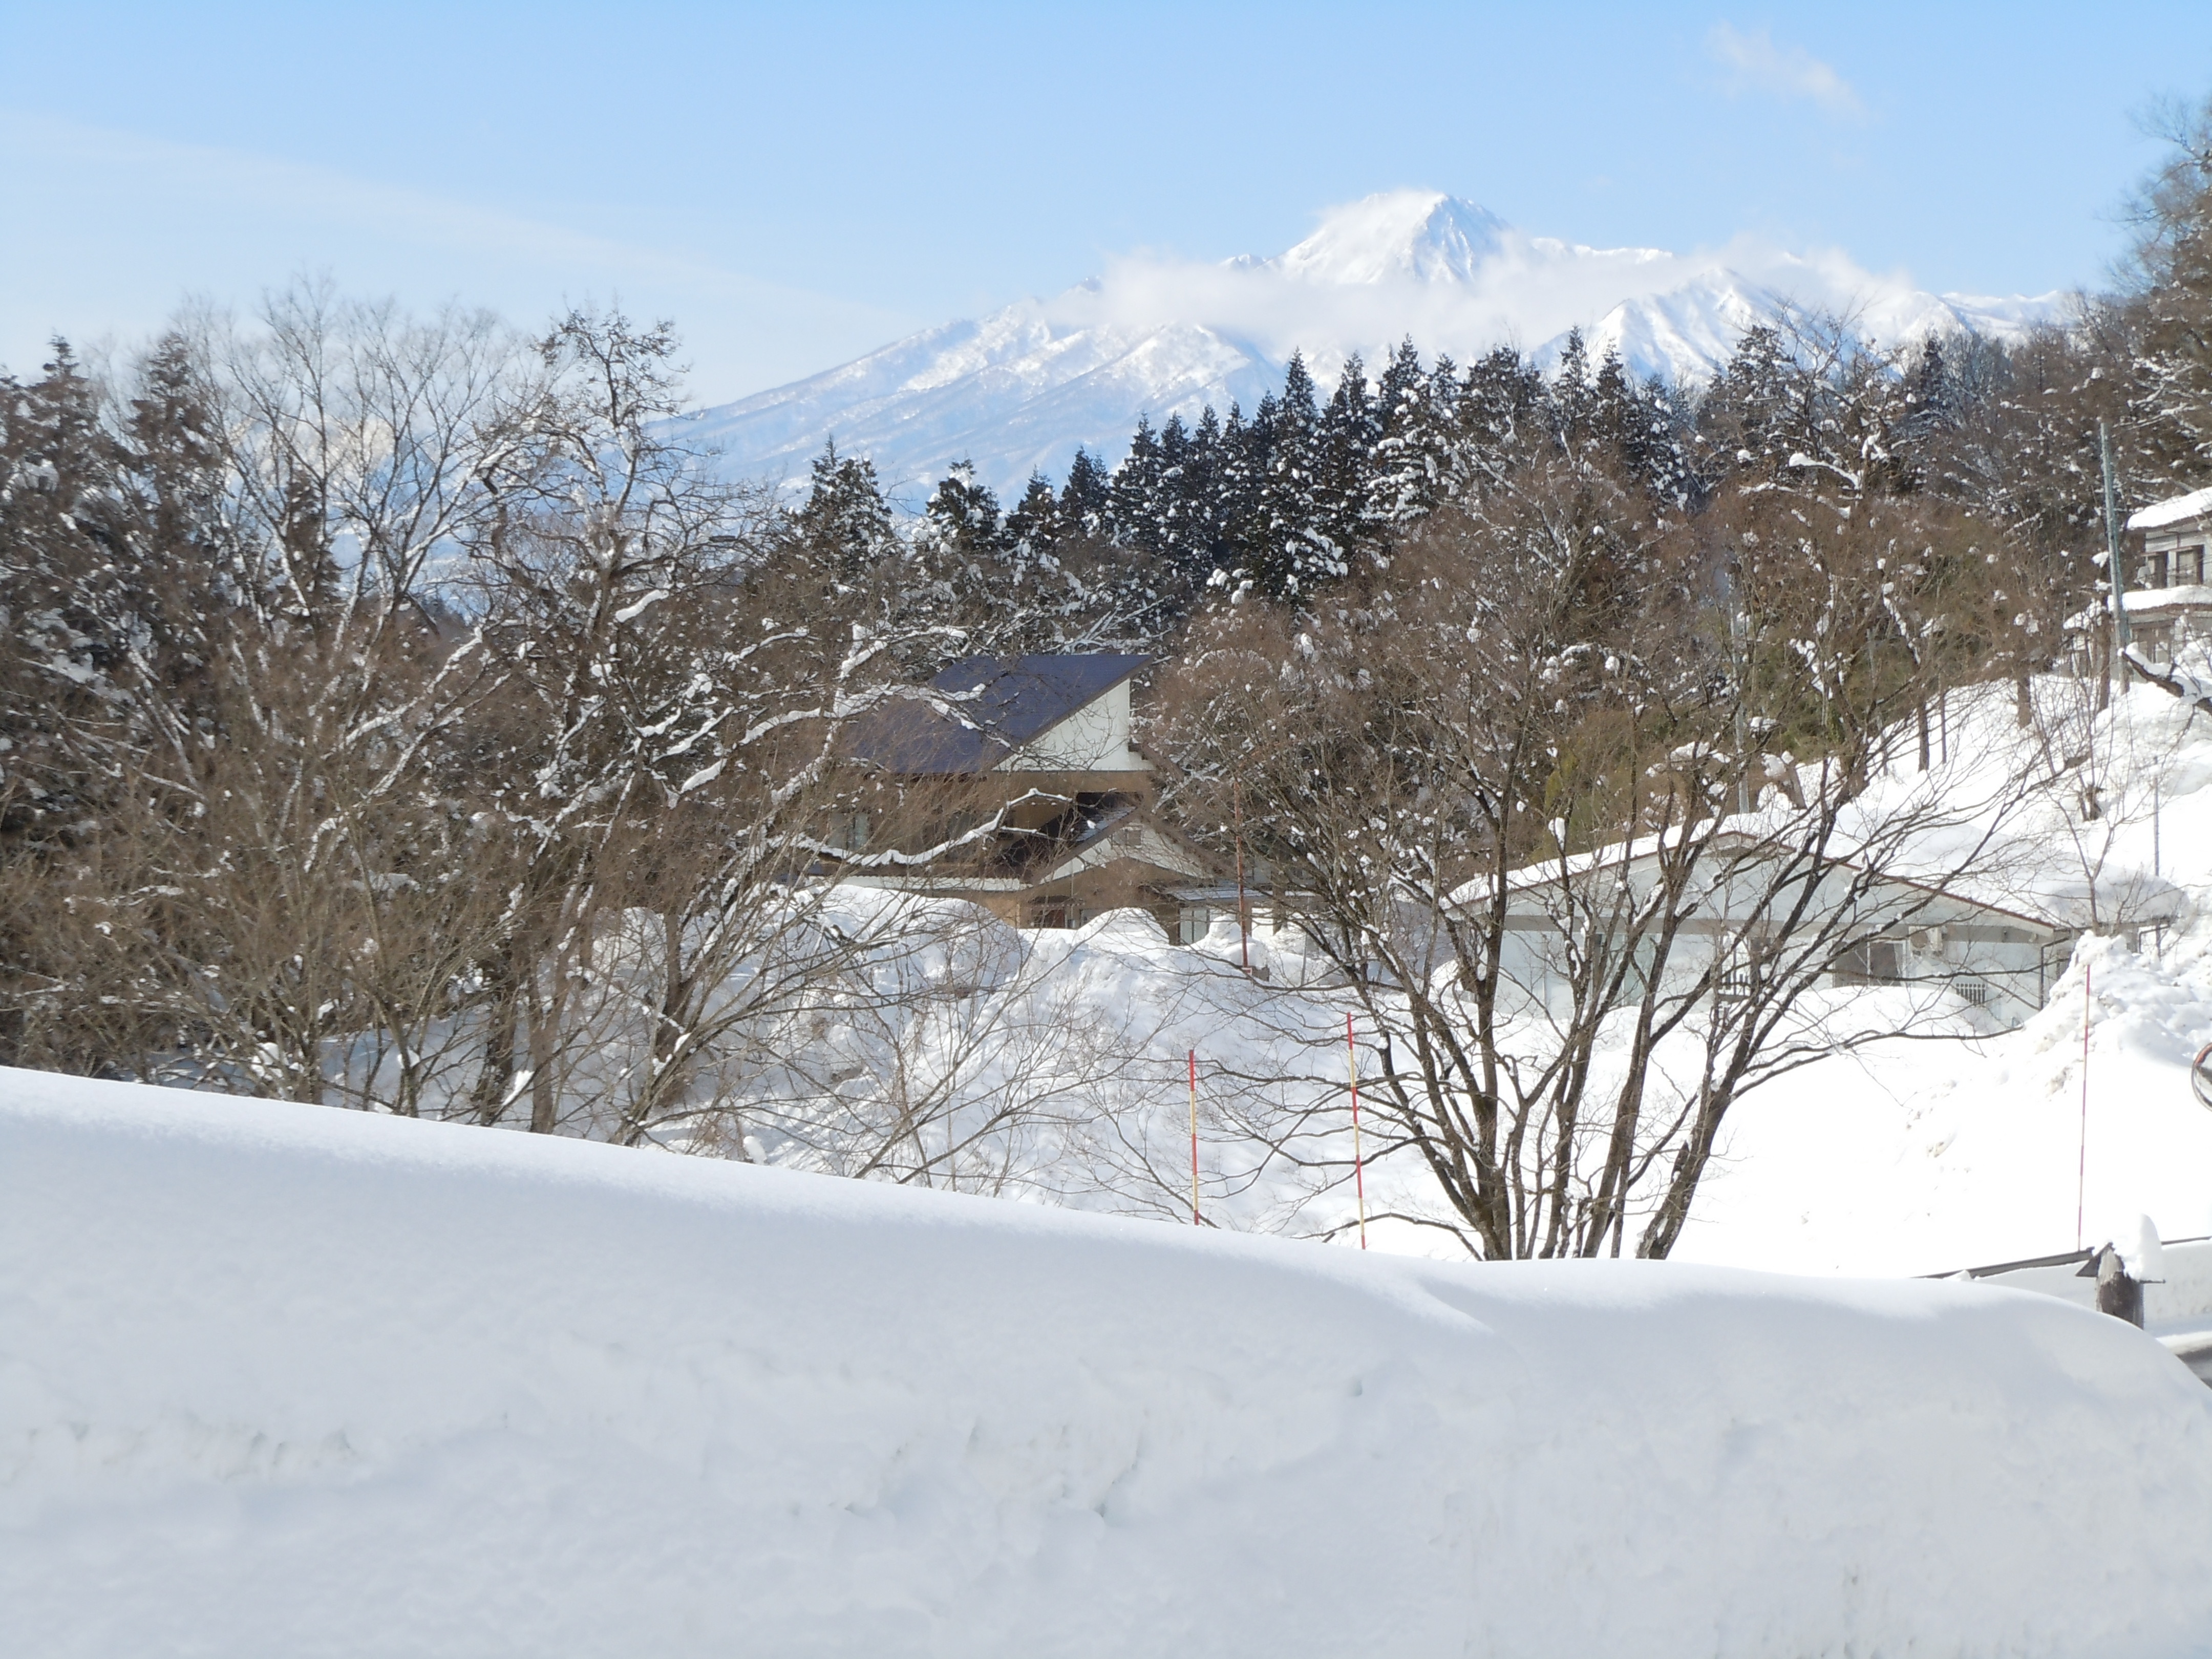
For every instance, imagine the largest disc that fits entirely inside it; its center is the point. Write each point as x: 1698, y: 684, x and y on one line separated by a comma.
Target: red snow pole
x: 1243, y: 913
x: 2082, y: 1167
x: 1193, y: 1138
x: 1359, y: 1164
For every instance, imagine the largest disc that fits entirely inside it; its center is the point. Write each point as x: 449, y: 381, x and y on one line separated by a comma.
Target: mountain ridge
x: 1020, y: 389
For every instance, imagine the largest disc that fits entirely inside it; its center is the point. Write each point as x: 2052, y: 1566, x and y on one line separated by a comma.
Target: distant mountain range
x: 1021, y: 388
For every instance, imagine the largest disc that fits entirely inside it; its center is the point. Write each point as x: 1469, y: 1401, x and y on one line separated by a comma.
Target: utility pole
x: 2122, y: 638
x: 1740, y: 635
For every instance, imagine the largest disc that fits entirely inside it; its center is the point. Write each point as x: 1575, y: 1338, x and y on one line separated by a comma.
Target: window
x: 1193, y: 923
x: 2151, y: 573
x: 1870, y: 962
x: 1053, y: 913
x: 2188, y: 566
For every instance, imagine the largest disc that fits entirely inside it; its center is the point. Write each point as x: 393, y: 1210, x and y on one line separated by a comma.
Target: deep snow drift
x: 279, y: 1380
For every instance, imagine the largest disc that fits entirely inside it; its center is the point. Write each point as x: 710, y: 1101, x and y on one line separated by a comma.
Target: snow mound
x: 279, y: 1379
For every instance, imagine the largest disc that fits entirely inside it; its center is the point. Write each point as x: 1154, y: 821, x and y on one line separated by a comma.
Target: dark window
x: 2188, y: 566
x: 1052, y: 912
x: 1870, y: 962
x: 2152, y: 572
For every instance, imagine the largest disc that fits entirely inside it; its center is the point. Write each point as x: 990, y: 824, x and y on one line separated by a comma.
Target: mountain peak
x: 1396, y: 234
x: 1020, y: 390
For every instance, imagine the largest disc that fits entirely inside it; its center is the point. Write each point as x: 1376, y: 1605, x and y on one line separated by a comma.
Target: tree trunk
x: 546, y: 1011
x: 488, y: 1101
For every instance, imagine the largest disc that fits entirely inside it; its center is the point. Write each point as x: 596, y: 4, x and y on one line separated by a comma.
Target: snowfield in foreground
x: 278, y: 1380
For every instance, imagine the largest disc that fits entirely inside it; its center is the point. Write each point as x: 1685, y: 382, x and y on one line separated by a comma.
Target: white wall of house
x: 1095, y: 738
x: 1999, y: 962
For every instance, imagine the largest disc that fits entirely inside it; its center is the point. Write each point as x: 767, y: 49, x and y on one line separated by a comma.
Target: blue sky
x: 797, y: 184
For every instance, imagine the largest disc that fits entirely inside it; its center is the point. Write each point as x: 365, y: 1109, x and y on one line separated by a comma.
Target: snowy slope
x: 277, y: 1380
x: 1917, y: 1156
x: 1023, y: 387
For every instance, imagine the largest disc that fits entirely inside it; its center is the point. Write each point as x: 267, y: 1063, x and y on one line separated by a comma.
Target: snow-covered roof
x: 2175, y: 509
x: 2054, y: 913
x: 2151, y: 601
x: 1133, y: 834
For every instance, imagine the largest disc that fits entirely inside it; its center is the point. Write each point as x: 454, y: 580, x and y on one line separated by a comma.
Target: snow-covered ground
x: 1942, y: 1150
x: 1921, y: 1155
x: 1050, y: 1065
x: 280, y: 1380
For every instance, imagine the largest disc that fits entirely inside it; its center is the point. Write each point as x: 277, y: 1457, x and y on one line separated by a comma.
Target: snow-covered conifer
x: 846, y: 516
x: 1086, y: 498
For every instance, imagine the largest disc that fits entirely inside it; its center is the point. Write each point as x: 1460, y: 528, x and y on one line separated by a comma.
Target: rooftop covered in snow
x: 2174, y: 510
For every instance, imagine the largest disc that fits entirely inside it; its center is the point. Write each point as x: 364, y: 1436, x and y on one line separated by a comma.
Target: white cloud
x: 1528, y: 291
x: 1754, y: 62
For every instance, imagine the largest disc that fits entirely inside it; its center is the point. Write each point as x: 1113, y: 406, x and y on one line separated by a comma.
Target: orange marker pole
x: 1359, y: 1164
x: 1193, y: 1138
x: 2082, y: 1167
x: 1243, y: 913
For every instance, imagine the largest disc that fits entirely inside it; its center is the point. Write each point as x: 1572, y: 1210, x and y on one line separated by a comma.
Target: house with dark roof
x: 1016, y: 782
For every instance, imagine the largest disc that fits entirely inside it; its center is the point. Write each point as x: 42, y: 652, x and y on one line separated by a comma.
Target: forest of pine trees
x: 1304, y: 490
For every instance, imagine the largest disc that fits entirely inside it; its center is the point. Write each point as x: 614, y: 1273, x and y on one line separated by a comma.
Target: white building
x: 2169, y: 603
x: 1999, y: 957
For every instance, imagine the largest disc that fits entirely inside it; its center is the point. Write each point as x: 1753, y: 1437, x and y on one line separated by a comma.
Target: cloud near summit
x: 1525, y: 291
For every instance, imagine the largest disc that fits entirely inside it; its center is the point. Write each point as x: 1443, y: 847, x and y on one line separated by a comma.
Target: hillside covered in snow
x: 1020, y: 389
x: 280, y: 1380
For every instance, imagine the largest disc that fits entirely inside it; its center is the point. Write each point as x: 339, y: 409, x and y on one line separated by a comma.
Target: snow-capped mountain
x: 1020, y: 389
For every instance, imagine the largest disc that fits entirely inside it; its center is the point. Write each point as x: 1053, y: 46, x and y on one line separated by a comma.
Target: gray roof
x: 1002, y: 702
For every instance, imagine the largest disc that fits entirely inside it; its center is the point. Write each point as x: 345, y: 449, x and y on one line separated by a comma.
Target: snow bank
x: 1916, y: 1156
x: 281, y: 1380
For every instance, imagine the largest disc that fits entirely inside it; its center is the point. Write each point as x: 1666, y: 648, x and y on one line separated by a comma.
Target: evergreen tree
x: 60, y: 651
x: 1755, y: 408
x: 1639, y: 429
x: 961, y: 518
x: 1240, y: 465
x: 1412, y: 451
x: 1612, y: 402
x: 1495, y: 414
x: 1179, y: 512
x: 1349, y: 431
x: 1202, y: 495
x: 1573, y: 398
x: 1086, y: 499
x: 1657, y: 449
x: 1033, y: 527
x: 846, y: 518
x: 1284, y: 562
x: 1133, y: 506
